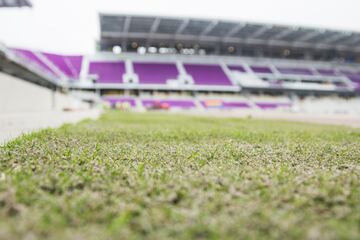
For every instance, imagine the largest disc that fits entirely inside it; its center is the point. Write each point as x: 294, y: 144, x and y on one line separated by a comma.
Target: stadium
x: 145, y: 61
x: 182, y: 128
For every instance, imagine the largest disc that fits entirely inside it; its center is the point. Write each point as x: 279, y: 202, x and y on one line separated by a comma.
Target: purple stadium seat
x: 294, y: 71
x: 29, y: 56
x: 179, y: 103
x: 207, y: 74
x: 238, y: 68
x: 234, y: 104
x: 347, y: 72
x: 277, y: 83
x: 108, y: 72
x: 356, y: 80
x: 155, y: 73
x: 327, y: 72
x: 357, y: 87
x: 266, y: 105
x: 354, y: 77
x: 217, y: 103
x: 69, y: 65
x: 261, y: 69
x: 114, y: 100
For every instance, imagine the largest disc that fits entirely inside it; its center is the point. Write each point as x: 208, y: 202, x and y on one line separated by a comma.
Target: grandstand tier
x: 206, y: 74
x: 70, y: 66
x: 33, y: 58
x: 191, y: 73
x: 155, y: 73
x: 144, y: 55
x: 107, y: 72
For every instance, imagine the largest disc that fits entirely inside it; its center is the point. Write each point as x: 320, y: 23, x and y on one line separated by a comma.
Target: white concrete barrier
x: 18, y: 96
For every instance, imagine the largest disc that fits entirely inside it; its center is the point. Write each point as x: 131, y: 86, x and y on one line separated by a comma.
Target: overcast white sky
x: 72, y: 26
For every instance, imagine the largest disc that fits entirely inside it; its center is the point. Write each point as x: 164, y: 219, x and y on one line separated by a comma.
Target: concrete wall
x: 17, y: 95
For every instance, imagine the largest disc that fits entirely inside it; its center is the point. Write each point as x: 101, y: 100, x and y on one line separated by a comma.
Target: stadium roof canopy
x: 163, y: 31
x: 15, y: 3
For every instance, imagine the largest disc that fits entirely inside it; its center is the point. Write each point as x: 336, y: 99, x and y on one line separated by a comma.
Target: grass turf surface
x: 155, y: 176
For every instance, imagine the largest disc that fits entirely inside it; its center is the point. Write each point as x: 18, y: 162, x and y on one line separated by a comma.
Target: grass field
x: 157, y: 176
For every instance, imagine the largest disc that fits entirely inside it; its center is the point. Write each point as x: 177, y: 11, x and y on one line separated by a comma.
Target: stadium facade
x: 188, y: 58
